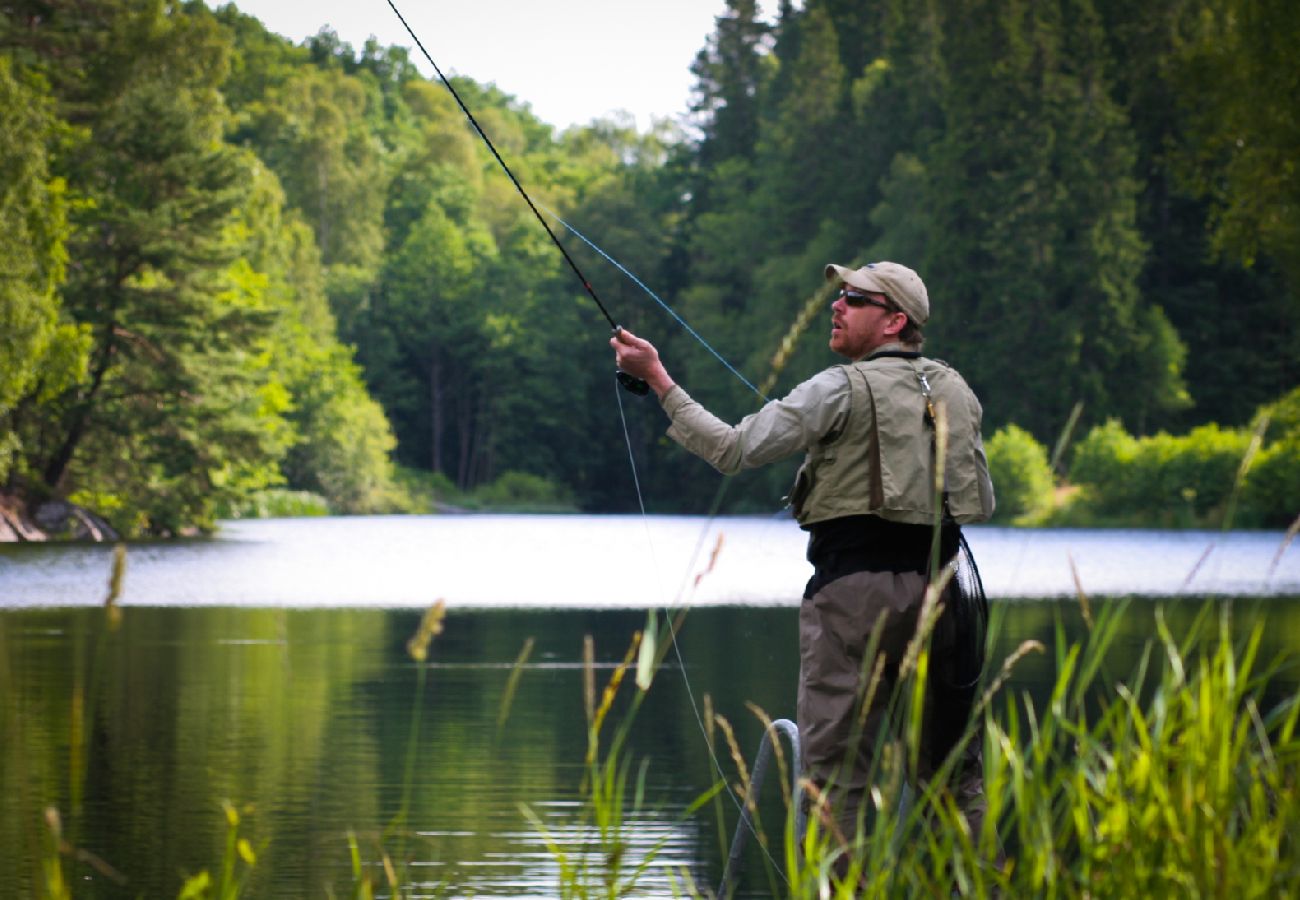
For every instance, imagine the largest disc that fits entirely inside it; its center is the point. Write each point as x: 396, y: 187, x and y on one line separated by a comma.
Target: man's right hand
x: 639, y: 358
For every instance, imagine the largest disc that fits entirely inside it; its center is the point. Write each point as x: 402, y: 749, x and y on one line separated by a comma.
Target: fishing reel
x: 631, y: 383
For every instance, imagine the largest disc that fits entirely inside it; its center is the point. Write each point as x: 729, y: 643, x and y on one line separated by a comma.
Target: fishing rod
x: 630, y: 382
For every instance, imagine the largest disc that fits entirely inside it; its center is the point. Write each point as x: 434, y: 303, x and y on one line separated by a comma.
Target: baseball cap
x: 897, y: 282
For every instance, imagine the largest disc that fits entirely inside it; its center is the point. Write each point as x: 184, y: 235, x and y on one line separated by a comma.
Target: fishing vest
x: 882, y: 462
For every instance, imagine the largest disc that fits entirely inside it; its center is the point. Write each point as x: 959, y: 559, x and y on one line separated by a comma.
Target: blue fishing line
x: 668, y: 611
x: 655, y: 297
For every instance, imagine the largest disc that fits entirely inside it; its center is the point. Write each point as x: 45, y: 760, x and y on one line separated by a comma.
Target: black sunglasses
x: 854, y: 298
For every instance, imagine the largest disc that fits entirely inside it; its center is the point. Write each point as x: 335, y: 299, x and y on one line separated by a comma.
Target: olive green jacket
x: 868, y: 442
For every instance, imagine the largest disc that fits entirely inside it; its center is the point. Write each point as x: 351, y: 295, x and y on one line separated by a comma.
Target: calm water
x: 267, y: 668
x: 603, y: 562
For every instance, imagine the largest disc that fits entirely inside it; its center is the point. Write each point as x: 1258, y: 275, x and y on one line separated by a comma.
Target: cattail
x: 430, y: 626
x: 112, y: 611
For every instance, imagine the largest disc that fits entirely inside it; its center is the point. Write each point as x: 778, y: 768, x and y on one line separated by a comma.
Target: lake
x: 267, y: 667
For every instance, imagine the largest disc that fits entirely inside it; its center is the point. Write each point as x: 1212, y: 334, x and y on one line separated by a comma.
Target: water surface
x: 604, y: 562
x: 267, y: 668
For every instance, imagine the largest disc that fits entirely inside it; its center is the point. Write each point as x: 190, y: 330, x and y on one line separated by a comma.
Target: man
x: 866, y: 495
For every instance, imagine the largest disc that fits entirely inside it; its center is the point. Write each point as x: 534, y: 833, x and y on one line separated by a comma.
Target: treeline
x: 234, y: 263
x: 208, y: 231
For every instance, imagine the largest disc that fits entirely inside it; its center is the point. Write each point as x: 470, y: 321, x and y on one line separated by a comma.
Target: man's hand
x: 639, y: 358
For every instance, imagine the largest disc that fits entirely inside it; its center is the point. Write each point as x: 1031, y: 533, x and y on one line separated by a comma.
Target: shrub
x: 1163, y: 479
x: 1100, y: 465
x: 524, y: 491
x: 1271, y: 494
x: 275, y: 503
x: 1022, y: 476
x: 1284, y: 416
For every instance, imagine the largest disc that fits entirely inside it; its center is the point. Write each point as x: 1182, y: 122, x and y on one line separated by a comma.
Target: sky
x: 570, y: 60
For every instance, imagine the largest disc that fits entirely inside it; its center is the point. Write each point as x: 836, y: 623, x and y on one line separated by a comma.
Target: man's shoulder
x: 827, y: 386
x: 833, y: 376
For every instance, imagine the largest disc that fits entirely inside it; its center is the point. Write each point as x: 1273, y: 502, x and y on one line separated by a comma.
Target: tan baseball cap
x: 897, y: 282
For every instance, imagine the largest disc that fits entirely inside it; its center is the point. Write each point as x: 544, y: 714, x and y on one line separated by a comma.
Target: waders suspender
x: 933, y: 421
x: 965, y: 593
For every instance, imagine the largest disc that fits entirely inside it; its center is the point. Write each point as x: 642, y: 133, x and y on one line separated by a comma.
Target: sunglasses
x: 856, y: 298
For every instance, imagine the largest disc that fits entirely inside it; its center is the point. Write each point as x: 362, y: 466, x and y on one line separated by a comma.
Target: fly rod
x: 631, y: 383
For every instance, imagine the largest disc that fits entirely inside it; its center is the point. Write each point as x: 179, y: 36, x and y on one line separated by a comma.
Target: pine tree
x: 173, y: 412
x: 1035, y: 255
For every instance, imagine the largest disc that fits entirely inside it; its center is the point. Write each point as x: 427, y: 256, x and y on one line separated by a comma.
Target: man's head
x: 878, y: 304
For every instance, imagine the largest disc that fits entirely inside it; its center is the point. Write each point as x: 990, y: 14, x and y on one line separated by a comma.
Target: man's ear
x: 897, y: 322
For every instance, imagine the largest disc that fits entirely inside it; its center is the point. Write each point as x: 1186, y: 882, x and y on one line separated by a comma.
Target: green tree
x: 1035, y: 254
x: 36, y: 353
x: 313, y: 131
x: 340, y: 442
x: 801, y: 146
x: 1237, y: 80
x: 1238, y: 361
x: 429, y: 336
x: 175, y: 408
x: 729, y: 77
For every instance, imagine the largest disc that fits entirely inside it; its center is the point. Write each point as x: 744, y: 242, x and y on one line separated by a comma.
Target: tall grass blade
x: 512, y: 683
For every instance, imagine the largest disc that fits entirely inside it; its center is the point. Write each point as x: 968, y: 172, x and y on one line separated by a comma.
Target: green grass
x: 1174, y: 779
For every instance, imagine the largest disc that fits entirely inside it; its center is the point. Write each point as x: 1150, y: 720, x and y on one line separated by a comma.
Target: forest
x: 239, y: 268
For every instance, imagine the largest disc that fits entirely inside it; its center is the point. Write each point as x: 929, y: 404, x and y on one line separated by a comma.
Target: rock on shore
x: 51, y: 520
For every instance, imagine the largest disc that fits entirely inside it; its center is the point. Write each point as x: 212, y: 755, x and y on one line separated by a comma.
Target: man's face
x: 861, y: 321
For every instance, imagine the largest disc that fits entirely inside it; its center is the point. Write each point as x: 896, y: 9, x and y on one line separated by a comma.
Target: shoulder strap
x: 924, y: 384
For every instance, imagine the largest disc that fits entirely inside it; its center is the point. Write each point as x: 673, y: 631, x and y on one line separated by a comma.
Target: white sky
x: 570, y: 60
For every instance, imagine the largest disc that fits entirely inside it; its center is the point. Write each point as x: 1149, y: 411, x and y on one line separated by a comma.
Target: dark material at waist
x: 839, y: 547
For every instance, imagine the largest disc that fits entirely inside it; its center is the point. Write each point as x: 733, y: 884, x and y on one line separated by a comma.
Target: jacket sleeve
x: 780, y: 429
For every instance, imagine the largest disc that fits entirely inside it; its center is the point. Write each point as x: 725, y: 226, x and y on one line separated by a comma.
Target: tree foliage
x: 234, y: 263
x: 33, y: 234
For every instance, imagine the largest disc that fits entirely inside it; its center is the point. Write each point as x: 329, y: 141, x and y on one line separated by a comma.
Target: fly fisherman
x: 865, y: 494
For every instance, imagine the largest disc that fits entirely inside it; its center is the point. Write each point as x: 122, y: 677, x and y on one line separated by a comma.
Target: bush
x: 1022, y: 476
x: 1271, y: 494
x: 275, y: 503
x: 1100, y: 465
x: 1159, y: 480
x: 1284, y: 417
x: 422, y: 491
x: 522, y: 491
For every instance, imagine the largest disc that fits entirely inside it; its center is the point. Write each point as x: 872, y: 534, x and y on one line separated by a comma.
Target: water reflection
x: 302, y: 719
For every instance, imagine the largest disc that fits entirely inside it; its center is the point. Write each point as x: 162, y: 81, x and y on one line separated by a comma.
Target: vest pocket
x: 801, y: 489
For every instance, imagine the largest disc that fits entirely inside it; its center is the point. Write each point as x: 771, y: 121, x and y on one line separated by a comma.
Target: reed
x: 594, y: 857
x: 1176, y: 780
x: 237, y: 860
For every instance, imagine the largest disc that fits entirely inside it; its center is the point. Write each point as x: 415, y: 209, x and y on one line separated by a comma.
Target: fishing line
x: 655, y: 297
x: 672, y: 631
x: 631, y: 383
x: 628, y: 382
